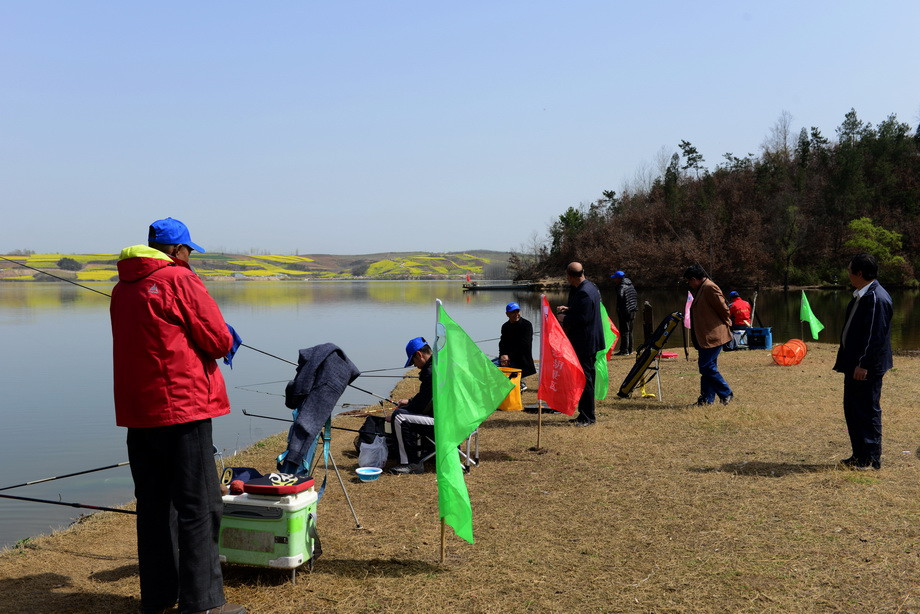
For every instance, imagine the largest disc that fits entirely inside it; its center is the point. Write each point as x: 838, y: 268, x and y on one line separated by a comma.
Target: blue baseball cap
x: 618, y: 275
x: 414, y: 346
x: 172, y: 232
x: 733, y: 294
x: 512, y: 307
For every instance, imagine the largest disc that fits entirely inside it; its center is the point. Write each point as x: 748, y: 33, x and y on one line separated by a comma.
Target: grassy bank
x: 659, y: 508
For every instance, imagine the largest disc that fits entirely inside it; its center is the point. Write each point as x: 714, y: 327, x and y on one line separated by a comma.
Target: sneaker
x: 523, y: 386
x: 583, y: 423
x: 701, y: 402
x: 227, y: 608
x: 727, y: 400
x: 407, y: 469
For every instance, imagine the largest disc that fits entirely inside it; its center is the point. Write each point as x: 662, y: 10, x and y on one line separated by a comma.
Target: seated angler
x: 515, y: 347
x: 414, y: 417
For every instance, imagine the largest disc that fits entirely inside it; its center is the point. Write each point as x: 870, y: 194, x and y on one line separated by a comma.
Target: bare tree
x: 777, y: 143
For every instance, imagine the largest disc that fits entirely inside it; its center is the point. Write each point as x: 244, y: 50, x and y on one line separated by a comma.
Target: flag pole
x: 540, y: 377
x: 443, y: 538
x: 434, y: 363
x: 539, y: 421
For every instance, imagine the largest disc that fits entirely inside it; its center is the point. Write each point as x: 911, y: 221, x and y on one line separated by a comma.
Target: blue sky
x: 358, y: 127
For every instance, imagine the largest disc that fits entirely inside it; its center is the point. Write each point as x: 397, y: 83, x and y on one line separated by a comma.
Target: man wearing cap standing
x: 581, y: 321
x: 167, y: 333
x: 515, y: 347
x: 627, y: 305
x: 414, y: 417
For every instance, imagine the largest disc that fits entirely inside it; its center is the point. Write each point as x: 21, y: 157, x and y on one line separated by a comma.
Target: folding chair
x: 470, y: 456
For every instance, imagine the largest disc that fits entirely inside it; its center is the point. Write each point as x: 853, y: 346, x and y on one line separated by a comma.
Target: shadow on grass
x: 380, y: 568
x: 114, y: 575
x: 529, y: 422
x: 645, y: 405
x: 765, y: 469
x: 52, y: 592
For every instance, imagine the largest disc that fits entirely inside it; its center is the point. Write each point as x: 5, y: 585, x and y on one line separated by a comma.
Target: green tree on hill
x: 69, y: 264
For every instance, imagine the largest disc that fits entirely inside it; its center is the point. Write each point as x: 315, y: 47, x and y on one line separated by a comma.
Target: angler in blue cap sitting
x: 515, y: 347
x: 414, y: 417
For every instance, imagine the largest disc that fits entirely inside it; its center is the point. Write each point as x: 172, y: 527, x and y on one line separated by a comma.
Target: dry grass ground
x: 658, y: 508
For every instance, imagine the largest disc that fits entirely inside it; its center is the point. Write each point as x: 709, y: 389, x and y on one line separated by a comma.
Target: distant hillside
x: 481, y: 264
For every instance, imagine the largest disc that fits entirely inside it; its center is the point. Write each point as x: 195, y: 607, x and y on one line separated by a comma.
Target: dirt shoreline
x: 658, y: 508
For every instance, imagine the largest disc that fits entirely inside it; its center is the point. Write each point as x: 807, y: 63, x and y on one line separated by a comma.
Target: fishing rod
x: 252, y: 415
x: 70, y: 281
x: 82, y: 505
x: 67, y: 475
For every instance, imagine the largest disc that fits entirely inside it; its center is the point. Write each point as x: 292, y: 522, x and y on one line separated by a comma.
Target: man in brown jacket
x: 710, y: 322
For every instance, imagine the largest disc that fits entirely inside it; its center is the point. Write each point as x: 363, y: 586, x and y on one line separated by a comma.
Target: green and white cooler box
x: 268, y: 530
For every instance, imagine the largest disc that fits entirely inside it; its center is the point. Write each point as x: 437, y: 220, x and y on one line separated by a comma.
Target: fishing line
x: 288, y: 420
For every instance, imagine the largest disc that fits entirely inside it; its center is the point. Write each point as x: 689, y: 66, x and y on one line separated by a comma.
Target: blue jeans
x: 711, y: 381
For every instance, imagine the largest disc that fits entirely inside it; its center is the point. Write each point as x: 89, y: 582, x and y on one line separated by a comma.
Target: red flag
x: 616, y: 332
x: 562, y: 379
x: 467, y: 278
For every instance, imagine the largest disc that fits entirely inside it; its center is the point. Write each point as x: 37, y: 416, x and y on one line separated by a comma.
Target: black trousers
x: 586, y: 401
x: 863, y: 412
x: 179, y: 508
x: 626, y: 332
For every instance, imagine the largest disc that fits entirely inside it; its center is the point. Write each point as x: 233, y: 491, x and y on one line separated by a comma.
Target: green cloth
x: 807, y: 315
x: 468, y: 387
x: 601, y: 372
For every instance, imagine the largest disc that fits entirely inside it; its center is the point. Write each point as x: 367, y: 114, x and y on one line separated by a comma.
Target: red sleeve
x: 204, y: 322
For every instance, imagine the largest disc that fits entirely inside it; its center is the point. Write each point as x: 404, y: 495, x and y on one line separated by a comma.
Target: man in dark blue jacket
x: 863, y: 358
x: 581, y: 321
x: 627, y: 305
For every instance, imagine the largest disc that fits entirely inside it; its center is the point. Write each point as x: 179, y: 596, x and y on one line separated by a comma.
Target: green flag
x: 601, y: 374
x: 807, y: 315
x: 467, y: 389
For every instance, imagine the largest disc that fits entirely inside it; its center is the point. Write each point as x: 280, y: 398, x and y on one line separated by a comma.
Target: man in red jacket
x: 167, y: 333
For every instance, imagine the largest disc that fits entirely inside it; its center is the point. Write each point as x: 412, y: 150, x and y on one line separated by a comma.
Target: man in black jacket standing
x: 627, y: 305
x: 863, y: 358
x: 581, y: 321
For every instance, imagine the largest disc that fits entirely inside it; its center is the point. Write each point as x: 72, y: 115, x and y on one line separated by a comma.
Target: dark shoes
x: 227, y: 608
x: 858, y: 464
x: 407, y: 469
x: 702, y: 402
x: 577, y: 422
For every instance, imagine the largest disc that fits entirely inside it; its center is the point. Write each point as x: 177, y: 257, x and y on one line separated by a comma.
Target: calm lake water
x: 56, y: 376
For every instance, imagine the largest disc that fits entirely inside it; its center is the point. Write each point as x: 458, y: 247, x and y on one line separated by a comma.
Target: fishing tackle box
x: 269, y: 530
x: 760, y: 338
